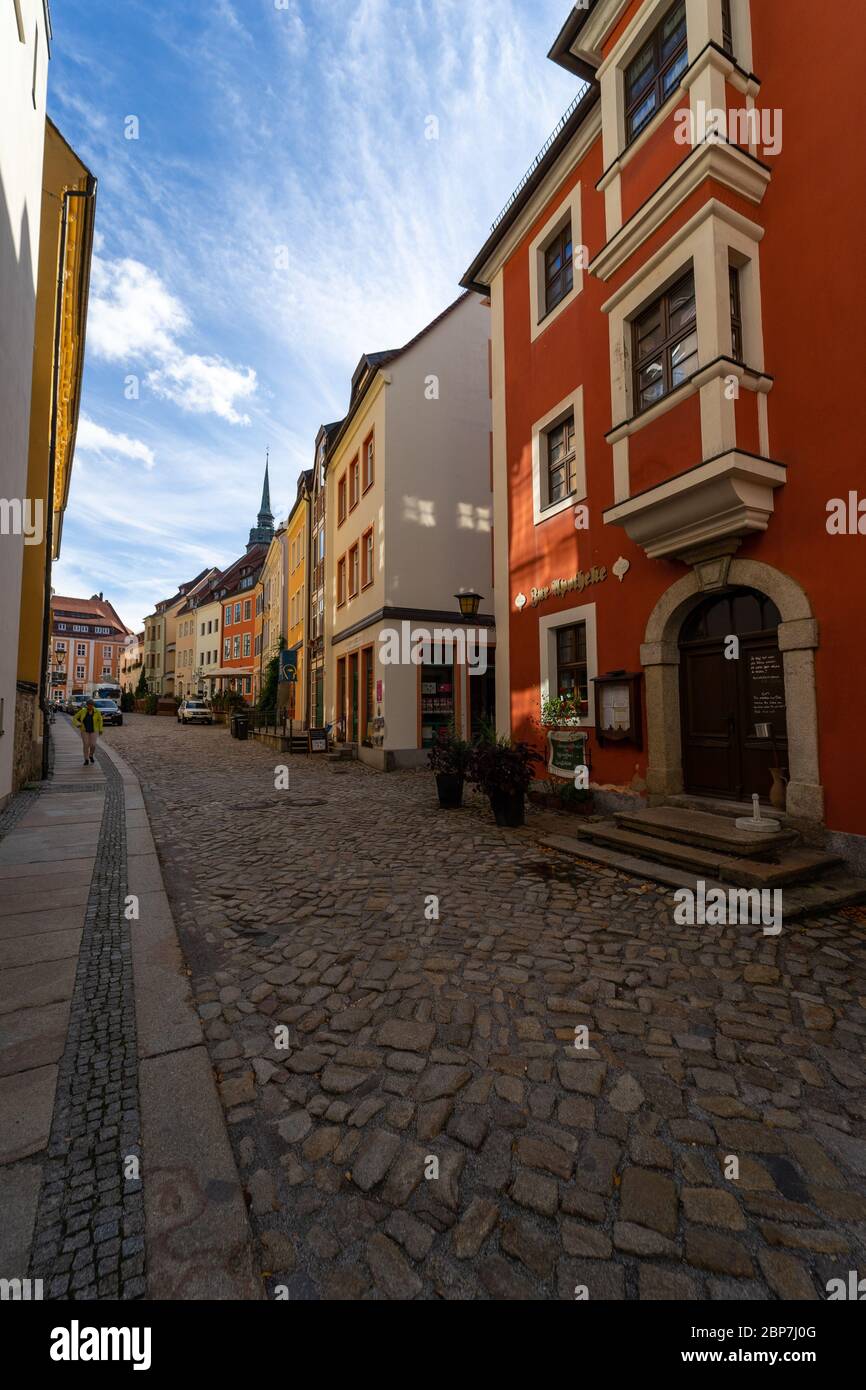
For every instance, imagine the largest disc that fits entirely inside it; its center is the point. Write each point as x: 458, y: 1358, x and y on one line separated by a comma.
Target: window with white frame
x: 559, y: 459
x: 246, y: 644
x: 556, y: 264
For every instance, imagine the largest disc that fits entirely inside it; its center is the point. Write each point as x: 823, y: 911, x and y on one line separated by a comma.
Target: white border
x: 569, y: 209
x: 540, y: 429
x: 547, y: 626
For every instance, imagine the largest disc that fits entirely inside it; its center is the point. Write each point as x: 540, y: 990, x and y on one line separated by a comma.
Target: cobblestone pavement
x: 88, y: 1240
x: 412, y: 1040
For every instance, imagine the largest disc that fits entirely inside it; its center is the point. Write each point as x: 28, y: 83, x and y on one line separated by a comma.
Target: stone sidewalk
x: 116, y: 1176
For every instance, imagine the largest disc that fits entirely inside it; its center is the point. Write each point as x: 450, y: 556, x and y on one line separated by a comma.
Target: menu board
x: 767, y: 682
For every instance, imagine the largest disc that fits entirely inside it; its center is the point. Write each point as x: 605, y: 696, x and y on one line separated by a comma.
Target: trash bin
x: 233, y: 725
x: 242, y: 726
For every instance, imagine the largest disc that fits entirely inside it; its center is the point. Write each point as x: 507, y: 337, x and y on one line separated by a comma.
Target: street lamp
x: 469, y: 604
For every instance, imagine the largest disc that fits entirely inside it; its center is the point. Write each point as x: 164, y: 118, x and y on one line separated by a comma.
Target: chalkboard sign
x: 318, y: 740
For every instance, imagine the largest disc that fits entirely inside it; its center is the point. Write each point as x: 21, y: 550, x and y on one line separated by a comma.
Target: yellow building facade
x: 65, y: 251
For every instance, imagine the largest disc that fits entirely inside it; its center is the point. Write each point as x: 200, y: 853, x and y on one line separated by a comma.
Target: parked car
x: 74, y: 703
x: 194, y: 712
x: 110, y: 711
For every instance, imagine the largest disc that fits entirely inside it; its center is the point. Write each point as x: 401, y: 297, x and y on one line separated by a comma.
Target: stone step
x: 718, y: 806
x: 627, y: 863
x: 794, y: 865
x: 835, y: 890
x: 839, y: 889
x: 705, y: 830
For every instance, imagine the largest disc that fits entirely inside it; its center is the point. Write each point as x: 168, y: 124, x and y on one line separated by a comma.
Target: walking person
x: 88, y: 721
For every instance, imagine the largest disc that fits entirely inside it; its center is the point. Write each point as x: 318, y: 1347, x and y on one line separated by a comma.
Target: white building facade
x: 409, y: 526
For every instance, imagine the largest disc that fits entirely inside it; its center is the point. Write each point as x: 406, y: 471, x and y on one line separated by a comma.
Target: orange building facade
x: 679, y: 541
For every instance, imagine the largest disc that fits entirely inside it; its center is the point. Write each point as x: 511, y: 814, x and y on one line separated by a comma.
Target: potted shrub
x: 449, y: 760
x: 503, y: 771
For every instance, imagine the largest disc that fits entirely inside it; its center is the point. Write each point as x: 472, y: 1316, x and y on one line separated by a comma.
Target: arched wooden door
x: 723, y: 698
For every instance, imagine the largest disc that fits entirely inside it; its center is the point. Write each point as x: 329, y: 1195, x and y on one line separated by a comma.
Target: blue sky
x: 282, y: 211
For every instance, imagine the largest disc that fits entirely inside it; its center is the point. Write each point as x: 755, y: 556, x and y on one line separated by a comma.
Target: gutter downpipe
x: 88, y: 192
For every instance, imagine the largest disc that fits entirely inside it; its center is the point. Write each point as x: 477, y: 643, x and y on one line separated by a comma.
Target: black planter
x: 450, y: 788
x: 508, y: 808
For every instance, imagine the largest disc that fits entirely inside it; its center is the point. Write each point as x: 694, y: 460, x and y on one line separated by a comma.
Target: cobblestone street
x: 410, y: 1040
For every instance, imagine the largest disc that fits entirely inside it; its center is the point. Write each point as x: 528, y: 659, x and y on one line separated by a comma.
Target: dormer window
x: 655, y: 72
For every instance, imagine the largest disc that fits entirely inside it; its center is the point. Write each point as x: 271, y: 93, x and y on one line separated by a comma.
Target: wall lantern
x: 469, y: 604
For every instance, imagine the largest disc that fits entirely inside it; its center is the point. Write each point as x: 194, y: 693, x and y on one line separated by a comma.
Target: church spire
x: 263, y: 533
x: 265, y: 508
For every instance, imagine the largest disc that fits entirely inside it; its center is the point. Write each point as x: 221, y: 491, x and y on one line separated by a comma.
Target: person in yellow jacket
x: 88, y: 721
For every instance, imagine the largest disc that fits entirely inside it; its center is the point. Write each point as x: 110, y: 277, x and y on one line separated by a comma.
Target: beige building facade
x: 409, y: 526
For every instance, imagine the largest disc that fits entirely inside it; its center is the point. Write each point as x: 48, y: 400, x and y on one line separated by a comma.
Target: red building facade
x: 677, y: 431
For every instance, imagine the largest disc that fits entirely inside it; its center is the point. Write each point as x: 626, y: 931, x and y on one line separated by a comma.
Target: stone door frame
x: 798, y: 642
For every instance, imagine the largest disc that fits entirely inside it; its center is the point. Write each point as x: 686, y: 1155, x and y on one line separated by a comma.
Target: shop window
x: 367, y: 729
x: 665, y: 344
x: 367, y: 559
x: 341, y: 700
x: 571, y: 666
x: 437, y: 701
x: 655, y: 72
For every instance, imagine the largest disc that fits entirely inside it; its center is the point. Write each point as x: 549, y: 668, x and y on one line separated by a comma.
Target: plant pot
x: 778, y: 791
x: 449, y: 785
x: 508, y: 808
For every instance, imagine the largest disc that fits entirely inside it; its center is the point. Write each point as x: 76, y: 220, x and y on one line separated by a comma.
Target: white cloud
x: 95, y: 439
x: 132, y: 314
x: 134, y: 317
x: 204, y: 385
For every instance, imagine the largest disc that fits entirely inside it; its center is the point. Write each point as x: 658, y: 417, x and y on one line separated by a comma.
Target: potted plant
x: 503, y: 771
x: 449, y: 760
